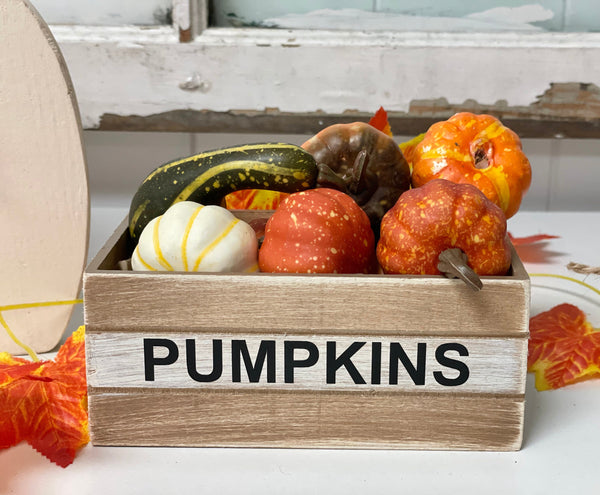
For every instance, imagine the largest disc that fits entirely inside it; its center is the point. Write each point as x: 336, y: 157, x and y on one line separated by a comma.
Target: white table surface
x: 560, y: 453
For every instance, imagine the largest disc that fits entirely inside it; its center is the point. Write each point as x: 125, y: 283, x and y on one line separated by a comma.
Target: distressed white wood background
x: 129, y: 71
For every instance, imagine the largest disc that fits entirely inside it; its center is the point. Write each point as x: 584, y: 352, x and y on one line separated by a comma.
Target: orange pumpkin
x: 441, y: 215
x: 318, y: 231
x: 478, y: 150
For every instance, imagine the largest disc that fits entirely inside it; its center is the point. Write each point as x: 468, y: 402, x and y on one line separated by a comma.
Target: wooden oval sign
x: 44, y: 218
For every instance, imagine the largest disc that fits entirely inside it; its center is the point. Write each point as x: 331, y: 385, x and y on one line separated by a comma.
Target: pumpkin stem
x: 482, y: 153
x: 453, y: 263
x: 328, y: 178
x: 358, y: 173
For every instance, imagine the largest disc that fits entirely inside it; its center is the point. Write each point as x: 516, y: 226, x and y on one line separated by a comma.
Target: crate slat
x: 304, y: 419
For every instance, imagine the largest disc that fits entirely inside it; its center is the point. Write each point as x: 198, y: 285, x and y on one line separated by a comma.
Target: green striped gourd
x: 208, y: 177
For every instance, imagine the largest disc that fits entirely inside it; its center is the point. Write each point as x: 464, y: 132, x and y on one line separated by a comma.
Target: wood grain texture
x: 493, y: 365
x: 420, y: 305
x: 44, y: 218
x: 315, y: 420
x: 130, y: 406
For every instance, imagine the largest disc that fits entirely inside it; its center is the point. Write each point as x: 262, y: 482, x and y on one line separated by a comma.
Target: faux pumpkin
x: 441, y: 215
x: 193, y: 237
x: 478, y: 150
x: 318, y: 231
x: 363, y: 162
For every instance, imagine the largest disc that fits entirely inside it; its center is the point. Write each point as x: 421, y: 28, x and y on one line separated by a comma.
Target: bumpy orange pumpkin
x: 441, y: 215
x: 478, y: 150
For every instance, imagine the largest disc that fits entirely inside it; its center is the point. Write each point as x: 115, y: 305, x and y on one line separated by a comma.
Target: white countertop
x: 559, y: 454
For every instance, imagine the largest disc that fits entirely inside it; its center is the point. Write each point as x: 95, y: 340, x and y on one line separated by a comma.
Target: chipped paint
x: 250, y: 79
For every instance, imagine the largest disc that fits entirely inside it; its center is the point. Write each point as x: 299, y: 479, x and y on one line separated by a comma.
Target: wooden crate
x: 328, y: 361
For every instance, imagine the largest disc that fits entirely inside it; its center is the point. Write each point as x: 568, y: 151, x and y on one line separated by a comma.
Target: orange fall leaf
x: 533, y: 248
x: 563, y: 348
x: 45, y: 403
x: 254, y: 199
x: 380, y: 121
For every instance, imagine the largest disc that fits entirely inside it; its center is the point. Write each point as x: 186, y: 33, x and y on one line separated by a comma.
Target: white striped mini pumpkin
x: 192, y: 237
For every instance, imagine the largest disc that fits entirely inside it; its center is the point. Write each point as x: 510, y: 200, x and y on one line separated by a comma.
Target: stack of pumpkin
x: 349, y: 200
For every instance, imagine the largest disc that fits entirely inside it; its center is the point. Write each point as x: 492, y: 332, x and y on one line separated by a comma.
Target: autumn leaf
x: 532, y: 248
x: 530, y: 239
x: 45, y: 402
x: 563, y: 348
x: 380, y: 121
x: 254, y: 199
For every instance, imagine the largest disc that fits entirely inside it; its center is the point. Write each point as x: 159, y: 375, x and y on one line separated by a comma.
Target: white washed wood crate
x: 323, y: 361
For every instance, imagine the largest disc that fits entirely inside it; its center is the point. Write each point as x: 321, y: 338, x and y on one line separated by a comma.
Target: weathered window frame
x: 192, y: 78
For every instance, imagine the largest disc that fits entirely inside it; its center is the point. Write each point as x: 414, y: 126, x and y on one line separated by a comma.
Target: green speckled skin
x: 208, y: 177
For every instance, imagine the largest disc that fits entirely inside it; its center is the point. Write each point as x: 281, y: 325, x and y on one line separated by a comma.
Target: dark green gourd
x: 208, y: 177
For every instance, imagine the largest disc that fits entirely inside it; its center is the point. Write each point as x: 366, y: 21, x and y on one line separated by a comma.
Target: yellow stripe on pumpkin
x: 156, y: 242
x: 186, y: 235
x: 143, y: 261
x: 215, y: 242
x: 493, y: 130
x: 500, y: 183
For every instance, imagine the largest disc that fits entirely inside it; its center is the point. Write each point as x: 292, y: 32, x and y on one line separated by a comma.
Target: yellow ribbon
x: 564, y: 277
x: 11, y: 307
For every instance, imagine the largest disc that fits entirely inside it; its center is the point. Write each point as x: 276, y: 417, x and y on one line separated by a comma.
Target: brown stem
x: 453, y: 263
x: 358, y: 172
x: 328, y: 178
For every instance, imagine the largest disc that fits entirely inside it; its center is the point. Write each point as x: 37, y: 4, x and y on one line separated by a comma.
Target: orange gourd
x: 478, y: 150
x: 442, y: 215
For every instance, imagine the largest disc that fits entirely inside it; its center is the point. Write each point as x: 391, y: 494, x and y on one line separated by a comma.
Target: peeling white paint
x: 140, y: 72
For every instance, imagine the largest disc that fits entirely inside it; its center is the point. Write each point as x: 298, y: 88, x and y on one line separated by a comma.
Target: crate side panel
x: 228, y: 361
x: 422, y: 305
x: 305, y: 420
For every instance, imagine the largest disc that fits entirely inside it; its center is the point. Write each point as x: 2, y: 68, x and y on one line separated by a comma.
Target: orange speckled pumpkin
x: 437, y: 216
x: 478, y: 150
x: 318, y: 231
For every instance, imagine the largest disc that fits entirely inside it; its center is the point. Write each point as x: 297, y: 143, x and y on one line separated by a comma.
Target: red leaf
x: 380, y: 121
x: 532, y: 248
x: 45, y: 403
x: 563, y: 348
x: 531, y: 239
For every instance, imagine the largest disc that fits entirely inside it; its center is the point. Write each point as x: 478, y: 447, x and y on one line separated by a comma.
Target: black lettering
x: 217, y: 369
x: 291, y: 363
x: 150, y: 360
x: 462, y: 368
x: 266, y: 352
x: 417, y: 373
x: 376, y: 363
x: 344, y: 359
